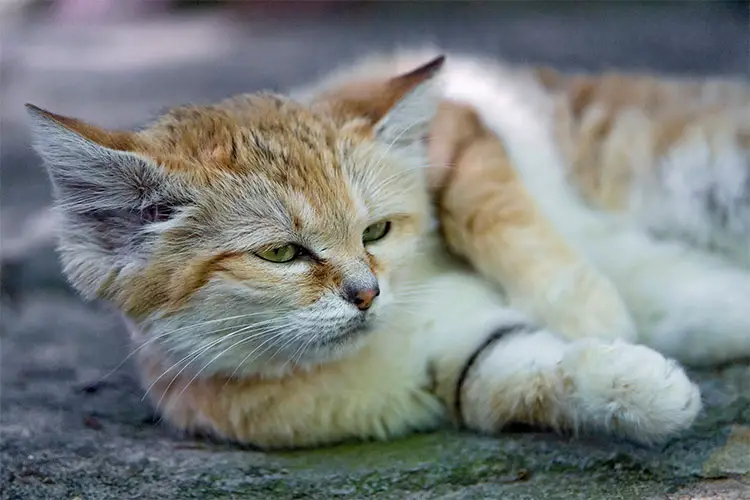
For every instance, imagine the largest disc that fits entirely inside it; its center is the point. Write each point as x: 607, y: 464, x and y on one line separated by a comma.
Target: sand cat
x: 281, y: 267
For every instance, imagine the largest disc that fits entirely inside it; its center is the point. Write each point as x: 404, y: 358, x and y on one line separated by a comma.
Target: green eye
x: 376, y: 231
x: 280, y: 255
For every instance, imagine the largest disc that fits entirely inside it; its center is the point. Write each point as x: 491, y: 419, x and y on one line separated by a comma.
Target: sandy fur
x: 565, y: 257
x: 404, y: 380
x: 626, y: 195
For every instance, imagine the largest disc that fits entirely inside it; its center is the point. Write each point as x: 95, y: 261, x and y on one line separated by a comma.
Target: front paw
x: 581, y: 303
x: 628, y: 390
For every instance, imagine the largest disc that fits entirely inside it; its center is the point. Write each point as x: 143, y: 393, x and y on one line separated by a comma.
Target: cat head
x: 255, y: 232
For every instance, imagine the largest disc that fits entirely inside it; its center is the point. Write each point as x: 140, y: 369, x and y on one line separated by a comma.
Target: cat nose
x: 361, y: 296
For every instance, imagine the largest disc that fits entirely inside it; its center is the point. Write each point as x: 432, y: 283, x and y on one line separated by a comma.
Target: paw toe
x: 632, y: 391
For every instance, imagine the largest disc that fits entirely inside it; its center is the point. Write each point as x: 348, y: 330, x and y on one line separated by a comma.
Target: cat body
x: 611, y: 203
x: 371, y: 328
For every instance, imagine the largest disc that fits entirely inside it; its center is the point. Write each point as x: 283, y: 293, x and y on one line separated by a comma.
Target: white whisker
x: 192, y: 356
x: 233, y: 346
x: 250, y: 354
x: 153, y: 339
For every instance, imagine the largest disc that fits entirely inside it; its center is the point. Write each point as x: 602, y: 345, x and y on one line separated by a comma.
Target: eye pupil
x: 281, y: 254
x: 376, y: 231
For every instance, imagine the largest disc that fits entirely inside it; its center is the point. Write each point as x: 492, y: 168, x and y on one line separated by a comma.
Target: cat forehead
x: 302, y: 157
x: 252, y: 134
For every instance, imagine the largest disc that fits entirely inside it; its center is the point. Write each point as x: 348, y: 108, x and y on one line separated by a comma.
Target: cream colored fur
x: 578, y: 370
x: 658, y: 270
x: 403, y: 379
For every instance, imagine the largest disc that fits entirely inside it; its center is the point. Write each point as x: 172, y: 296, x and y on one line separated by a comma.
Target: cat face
x: 255, y: 233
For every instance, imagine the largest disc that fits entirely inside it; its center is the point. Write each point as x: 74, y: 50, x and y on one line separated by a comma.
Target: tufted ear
x: 400, y: 109
x: 92, y: 170
x: 107, y: 194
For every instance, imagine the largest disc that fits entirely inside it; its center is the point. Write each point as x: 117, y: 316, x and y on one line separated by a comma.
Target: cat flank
x: 286, y: 284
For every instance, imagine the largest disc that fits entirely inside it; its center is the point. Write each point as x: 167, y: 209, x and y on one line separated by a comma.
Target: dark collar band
x: 491, y: 339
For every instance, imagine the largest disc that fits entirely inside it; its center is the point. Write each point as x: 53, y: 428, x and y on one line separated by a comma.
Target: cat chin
x: 321, y: 357
x: 331, y: 348
x: 316, y: 357
x: 336, y: 346
x: 347, y: 337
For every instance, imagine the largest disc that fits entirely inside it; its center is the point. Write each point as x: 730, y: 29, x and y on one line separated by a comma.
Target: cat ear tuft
x: 91, y: 169
x: 398, y: 109
x: 106, y: 193
x: 416, y: 96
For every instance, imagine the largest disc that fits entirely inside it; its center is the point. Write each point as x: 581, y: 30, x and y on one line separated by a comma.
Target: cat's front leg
x: 628, y: 390
x: 536, y: 378
x: 489, y: 218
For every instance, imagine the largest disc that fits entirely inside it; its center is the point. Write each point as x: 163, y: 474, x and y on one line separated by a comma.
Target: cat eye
x: 376, y: 231
x: 279, y: 255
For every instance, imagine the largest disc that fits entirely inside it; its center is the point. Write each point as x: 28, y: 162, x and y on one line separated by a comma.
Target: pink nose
x: 362, y: 297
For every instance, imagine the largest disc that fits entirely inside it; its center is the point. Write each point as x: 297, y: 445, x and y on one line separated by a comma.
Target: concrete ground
x: 72, y: 421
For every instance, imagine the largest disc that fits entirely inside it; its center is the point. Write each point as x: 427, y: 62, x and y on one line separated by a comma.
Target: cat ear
x: 91, y: 169
x: 399, y: 109
x: 411, y: 102
x: 106, y: 194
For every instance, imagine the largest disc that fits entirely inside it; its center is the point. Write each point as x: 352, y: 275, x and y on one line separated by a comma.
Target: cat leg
x: 492, y: 366
x: 489, y: 218
x: 687, y: 304
x: 589, y: 385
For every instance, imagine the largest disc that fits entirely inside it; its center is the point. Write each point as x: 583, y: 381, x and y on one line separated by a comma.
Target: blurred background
x: 118, y: 62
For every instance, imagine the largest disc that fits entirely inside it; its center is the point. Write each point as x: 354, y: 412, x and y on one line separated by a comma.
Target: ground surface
x: 66, y: 433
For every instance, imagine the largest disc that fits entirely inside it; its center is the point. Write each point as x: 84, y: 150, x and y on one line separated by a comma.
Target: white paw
x: 628, y: 390
x: 580, y: 303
